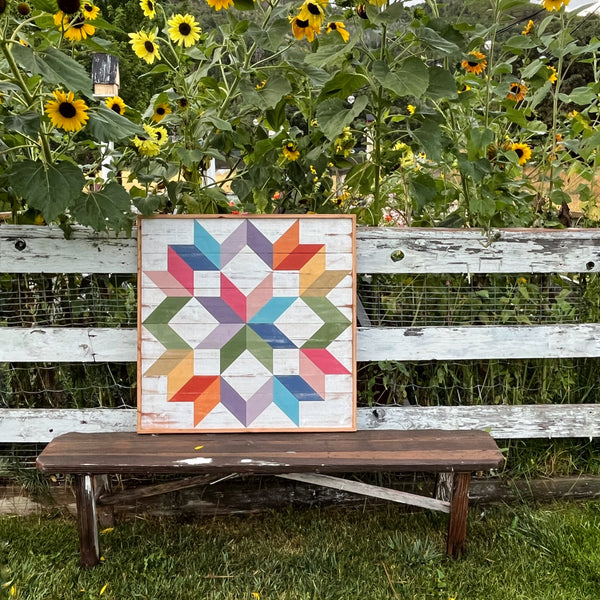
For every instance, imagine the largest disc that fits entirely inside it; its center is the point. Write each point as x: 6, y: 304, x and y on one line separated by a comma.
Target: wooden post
x: 457, y: 530
x: 87, y: 524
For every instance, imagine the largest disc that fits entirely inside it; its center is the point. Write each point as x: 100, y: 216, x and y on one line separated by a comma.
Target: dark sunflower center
x: 515, y: 88
x: 290, y: 147
x: 88, y: 8
x: 116, y: 108
x: 302, y: 24
x: 519, y: 152
x: 149, y: 46
x: 185, y: 29
x: 69, y: 7
x: 67, y: 110
x: 78, y: 23
x: 160, y: 110
x: 150, y: 5
x: 313, y: 9
x: 158, y: 136
x: 473, y: 63
x: 2, y: 6
x: 183, y: 102
x: 332, y: 26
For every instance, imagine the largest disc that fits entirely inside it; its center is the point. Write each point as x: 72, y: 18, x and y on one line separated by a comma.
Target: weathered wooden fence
x: 25, y: 249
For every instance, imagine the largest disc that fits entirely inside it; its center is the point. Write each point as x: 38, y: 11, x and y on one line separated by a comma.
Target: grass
x: 528, y: 553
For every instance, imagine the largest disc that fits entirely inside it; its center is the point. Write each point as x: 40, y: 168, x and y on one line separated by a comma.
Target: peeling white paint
x: 261, y: 463
x: 197, y: 460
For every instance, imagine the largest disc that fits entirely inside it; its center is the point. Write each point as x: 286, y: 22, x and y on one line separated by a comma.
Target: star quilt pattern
x: 246, y: 323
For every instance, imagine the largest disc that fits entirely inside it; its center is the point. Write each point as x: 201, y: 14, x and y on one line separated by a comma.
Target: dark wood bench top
x: 366, y: 450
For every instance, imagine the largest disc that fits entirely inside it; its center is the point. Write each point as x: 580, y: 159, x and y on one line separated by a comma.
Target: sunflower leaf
x: 27, y: 123
x: 45, y: 5
x: 55, y: 67
x: 341, y: 85
x: 107, y: 208
x: 333, y: 117
x: 106, y: 125
x: 50, y: 188
x: 409, y: 78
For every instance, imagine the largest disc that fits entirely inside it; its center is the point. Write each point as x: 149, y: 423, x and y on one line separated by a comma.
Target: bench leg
x: 87, y: 524
x: 457, y: 530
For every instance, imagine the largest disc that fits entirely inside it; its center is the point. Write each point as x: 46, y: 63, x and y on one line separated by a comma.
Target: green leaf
x: 49, y: 188
x: 517, y: 43
x: 55, y: 67
x: 48, y: 6
x: 156, y: 70
x: 329, y: 51
x: 27, y: 123
x: 244, y: 4
x: 275, y: 89
x: 148, y: 205
x: 333, y: 117
x: 424, y: 190
x: 217, y: 122
x: 429, y: 137
x: 108, y: 126
x: 441, y: 84
x: 433, y: 40
x: 410, y: 78
x: 580, y: 95
x: 103, y: 209
x: 342, y: 85
x: 479, y: 138
x: 361, y: 177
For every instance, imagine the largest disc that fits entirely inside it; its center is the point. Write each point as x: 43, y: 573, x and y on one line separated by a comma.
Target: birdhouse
x: 105, y: 74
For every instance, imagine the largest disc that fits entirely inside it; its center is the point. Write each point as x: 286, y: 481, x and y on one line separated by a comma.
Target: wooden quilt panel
x: 246, y: 323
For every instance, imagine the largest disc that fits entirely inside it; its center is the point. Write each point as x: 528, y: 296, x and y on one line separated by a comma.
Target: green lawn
x: 543, y: 553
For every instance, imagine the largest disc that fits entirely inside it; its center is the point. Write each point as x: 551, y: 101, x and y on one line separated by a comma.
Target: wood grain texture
x: 431, y: 250
x: 87, y: 522
x: 53, y: 344
x: 459, y: 506
x: 429, y: 451
x: 536, y: 421
x: 372, y: 491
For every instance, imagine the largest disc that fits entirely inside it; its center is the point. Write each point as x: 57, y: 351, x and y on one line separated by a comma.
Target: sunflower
x: 65, y: 112
x: 301, y: 28
x: 23, y: 9
x: 464, y: 88
x: 160, y: 112
x: 183, y: 103
x: 89, y: 11
x: 147, y: 145
x: 116, y: 103
x: 79, y: 30
x: 184, y: 30
x: 219, y: 4
x: 377, y: 2
x: 554, y: 4
x: 144, y: 46
x: 313, y: 13
x: 69, y: 7
x: 553, y: 74
x: 523, y: 152
x: 149, y: 8
x: 290, y: 151
x: 340, y: 28
x: 527, y: 29
x: 159, y: 134
x: 516, y: 91
x: 476, y: 63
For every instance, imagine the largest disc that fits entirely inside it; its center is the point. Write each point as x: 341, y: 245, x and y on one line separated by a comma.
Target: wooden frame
x: 246, y: 323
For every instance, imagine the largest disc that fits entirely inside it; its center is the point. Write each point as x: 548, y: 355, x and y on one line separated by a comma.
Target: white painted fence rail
x: 44, y: 250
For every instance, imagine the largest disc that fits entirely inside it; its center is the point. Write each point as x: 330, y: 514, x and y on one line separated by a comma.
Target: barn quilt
x: 246, y: 323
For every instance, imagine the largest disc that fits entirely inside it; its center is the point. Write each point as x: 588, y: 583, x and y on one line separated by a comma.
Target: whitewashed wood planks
x: 503, y: 422
x: 424, y: 251
x: 56, y: 344
x: 48, y: 344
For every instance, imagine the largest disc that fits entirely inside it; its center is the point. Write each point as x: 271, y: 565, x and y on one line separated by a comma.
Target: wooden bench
x: 300, y: 456
x: 381, y: 252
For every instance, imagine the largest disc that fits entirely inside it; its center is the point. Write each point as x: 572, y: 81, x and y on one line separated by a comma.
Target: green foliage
x: 546, y: 553
x: 386, y: 115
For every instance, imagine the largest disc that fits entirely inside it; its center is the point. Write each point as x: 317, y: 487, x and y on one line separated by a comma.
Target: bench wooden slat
x: 400, y: 451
